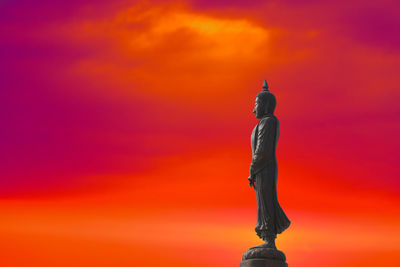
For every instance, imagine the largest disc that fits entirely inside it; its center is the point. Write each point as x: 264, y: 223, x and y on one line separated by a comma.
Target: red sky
x: 126, y: 130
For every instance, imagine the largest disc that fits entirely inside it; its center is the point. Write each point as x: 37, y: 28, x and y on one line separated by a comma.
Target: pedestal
x: 263, y: 257
x: 262, y: 263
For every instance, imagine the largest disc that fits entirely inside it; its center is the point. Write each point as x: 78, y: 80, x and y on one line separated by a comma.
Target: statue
x: 271, y: 219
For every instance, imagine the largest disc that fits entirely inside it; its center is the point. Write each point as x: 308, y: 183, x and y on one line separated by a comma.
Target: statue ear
x: 266, y: 106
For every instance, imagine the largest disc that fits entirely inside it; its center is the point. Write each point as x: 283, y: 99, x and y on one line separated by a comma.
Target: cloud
x: 168, y: 49
x: 378, y: 27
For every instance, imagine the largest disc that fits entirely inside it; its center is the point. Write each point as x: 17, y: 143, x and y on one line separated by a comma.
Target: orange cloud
x: 173, y: 51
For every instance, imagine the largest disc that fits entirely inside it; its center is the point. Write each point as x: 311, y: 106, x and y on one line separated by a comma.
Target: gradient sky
x: 126, y: 128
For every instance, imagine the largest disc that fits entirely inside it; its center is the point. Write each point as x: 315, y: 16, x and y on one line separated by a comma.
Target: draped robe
x: 271, y: 219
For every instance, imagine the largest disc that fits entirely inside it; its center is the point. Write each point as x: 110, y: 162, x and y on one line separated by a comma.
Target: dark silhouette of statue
x: 271, y: 219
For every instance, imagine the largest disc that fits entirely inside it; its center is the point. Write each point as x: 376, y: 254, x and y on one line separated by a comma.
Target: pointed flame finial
x: 265, y: 85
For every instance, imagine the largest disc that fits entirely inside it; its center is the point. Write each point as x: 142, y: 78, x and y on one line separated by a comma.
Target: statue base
x: 263, y: 257
x: 262, y: 263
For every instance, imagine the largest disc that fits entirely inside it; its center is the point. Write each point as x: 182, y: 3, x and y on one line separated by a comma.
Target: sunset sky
x: 126, y: 127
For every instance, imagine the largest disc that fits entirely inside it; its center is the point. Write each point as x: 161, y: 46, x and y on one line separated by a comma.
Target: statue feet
x: 268, y: 244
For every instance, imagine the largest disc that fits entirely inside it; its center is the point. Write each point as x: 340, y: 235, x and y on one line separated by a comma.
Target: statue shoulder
x: 268, y: 122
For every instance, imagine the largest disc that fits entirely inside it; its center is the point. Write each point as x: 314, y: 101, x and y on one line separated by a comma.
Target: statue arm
x: 265, y: 144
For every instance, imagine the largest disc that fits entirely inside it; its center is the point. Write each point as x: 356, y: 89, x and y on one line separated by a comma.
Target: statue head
x: 265, y: 102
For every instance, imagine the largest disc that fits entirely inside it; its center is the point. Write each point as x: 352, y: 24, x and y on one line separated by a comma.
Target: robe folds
x: 271, y: 219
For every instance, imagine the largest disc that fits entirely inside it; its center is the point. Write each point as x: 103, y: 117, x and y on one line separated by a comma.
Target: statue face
x: 259, y: 108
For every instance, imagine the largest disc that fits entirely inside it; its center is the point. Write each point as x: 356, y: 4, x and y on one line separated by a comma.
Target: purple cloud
x: 376, y: 26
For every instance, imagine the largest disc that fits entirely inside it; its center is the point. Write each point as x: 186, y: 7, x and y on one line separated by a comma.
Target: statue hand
x: 252, y: 182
